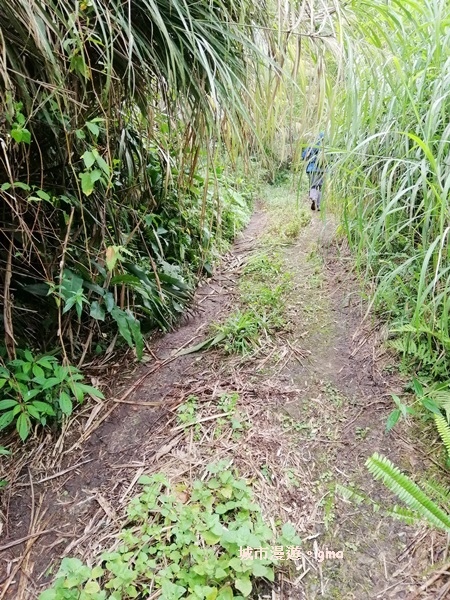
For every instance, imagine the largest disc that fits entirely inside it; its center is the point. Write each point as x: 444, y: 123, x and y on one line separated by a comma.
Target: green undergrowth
x: 287, y: 213
x: 181, y: 542
x: 285, y: 231
x: 265, y: 282
x: 189, y: 413
x: 38, y: 389
x: 129, y: 293
x: 263, y: 290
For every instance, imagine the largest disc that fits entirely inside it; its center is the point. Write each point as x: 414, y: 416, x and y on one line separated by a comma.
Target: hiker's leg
x: 314, y: 194
x: 311, y: 182
x: 319, y: 197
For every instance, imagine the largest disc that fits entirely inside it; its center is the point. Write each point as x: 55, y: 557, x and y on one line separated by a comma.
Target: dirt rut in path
x: 341, y: 411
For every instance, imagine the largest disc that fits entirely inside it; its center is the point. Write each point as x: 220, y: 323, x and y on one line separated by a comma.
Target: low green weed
x: 187, y: 415
x: 227, y: 403
x: 286, y: 231
x: 241, y: 332
x: 38, y: 388
x: 181, y: 543
x: 264, y: 266
x: 267, y: 300
x: 262, y: 298
x: 4, y: 452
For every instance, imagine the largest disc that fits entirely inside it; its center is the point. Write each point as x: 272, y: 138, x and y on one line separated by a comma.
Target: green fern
x: 444, y: 431
x: 442, y: 399
x: 351, y: 494
x: 401, y: 485
x: 404, y: 514
x: 397, y: 512
x: 436, y: 491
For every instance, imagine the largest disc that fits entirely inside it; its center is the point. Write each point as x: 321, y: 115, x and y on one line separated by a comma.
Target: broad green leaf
x: 28, y: 356
x: 6, y: 419
x: 69, y: 304
x: 109, y: 301
x: 236, y: 564
x: 225, y: 593
x: 43, y: 407
x: 23, y: 426
x: 210, y: 538
x: 90, y: 390
x: 135, y: 328
x: 97, y: 572
x: 22, y: 186
x: 97, y: 312
x: 431, y: 405
x: 38, y: 371
x: 51, y: 382
x: 120, y: 318
x: 8, y: 403
x: 78, y: 64
x: 88, y: 159
x: 21, y: 134
x: 87, y: 185
x: 30, y: 394
x: 392, y: 419
x: 77, y: 392
x: 289, y: 533
x: 92, y: 587
x: 33, y: 411
x: 220, y: 573
x: 212, y: 594
x: 171, y: 591
x: 244, y: 585
x: 93, y: 128
x: 260, y: 570
x: 43, y: 195
x: 46, y: 362
x: 50, y: 594
x: 145, y: 480
x: 101, y: 162
x: 65, y: 403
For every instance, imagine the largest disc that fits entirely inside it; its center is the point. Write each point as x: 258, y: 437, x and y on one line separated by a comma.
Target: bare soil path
x: 314, y: 404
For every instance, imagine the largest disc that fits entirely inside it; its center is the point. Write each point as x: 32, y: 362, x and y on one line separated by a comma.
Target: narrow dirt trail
x: 314, y: 406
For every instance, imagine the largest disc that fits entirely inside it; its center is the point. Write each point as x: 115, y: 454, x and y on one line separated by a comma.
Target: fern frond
x: 404, y: 514
x: 444, y: 430
x: 401, y: 485
x: 438, y: 492
x: 442, y: 399
x: 397, y: 512
x: 351, y: 494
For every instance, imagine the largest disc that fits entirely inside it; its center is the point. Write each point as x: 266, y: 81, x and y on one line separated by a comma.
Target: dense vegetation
x: 130, y: 137
x: 127, y: 128
x: 393, y: 182
x: 106, y: 213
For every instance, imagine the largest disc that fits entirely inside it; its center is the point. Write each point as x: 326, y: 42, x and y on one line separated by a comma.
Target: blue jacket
x: 314, y: 163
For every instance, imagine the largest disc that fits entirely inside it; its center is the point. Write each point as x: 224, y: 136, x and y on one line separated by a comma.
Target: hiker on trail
x: 315, y: 169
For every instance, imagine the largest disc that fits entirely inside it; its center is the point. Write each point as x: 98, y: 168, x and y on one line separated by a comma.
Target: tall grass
x: 105, y: 160
x: 115, y: 116
x: 392, y: 179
